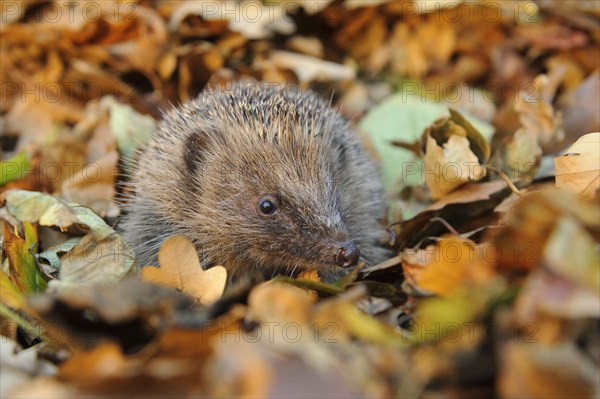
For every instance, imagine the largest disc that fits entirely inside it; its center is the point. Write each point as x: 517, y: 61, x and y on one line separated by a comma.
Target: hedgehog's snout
x: 347, y: 254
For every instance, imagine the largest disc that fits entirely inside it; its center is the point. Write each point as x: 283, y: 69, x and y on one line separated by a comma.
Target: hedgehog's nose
x: 347, y: 255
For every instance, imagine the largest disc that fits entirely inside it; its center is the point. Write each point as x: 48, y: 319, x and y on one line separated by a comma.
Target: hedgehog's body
x: 258, y: 180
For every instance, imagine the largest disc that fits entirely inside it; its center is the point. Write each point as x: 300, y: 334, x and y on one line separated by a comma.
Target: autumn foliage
x: 482, y: 114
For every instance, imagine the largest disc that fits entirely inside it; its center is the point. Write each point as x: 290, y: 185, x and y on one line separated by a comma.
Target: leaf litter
x: 494, y: 289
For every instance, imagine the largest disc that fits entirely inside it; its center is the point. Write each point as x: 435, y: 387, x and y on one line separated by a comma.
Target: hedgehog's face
x: 283, y: 214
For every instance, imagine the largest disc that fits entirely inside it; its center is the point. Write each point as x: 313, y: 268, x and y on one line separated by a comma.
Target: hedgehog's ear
x: 194, y: 148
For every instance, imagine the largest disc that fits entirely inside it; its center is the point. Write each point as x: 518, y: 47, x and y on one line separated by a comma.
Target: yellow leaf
x: 180, y: 269
x: 455, y: 262
x: 10, y: 295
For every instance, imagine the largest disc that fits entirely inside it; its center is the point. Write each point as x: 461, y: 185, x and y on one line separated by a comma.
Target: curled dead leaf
x: 454, y: 153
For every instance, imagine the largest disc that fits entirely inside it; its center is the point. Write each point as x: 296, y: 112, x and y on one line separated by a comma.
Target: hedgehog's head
x: 267, y: 197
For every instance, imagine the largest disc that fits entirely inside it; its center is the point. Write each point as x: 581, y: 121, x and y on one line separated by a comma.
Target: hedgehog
x: 262, y: 180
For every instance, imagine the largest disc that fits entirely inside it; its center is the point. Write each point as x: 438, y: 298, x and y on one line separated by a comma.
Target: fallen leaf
x: 469, y: 193
x: 10, y: 295
x: 579, y: 169
x: 131, y: 129
x: 239, y: 369
x: 449, y: 166
x: 402, y: 118
x: 15, y: 168
x: 438, y: 319
x: 310, y: 275
x: 22, y: 270
x: 94, y: 186
x: 454, y: 153
x: 311, y: 46
x: 522, y: 155
x: 548, y: 293
x: 103, y: 362
x: 20, y: 366
x: 262, y: 23
x: 531, y: 221
x: 100, y: 256
x: 274, y: 301
x: 180, y: 269
x: 130, y: 312
x: 578, y: 106
x: 535, y: 370
x: 572, y: 252
x: 310, y: 68
x: 453, y: 263
x: 536, y: 113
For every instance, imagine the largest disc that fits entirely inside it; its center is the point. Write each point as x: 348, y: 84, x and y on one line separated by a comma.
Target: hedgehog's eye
x: 267, y: 205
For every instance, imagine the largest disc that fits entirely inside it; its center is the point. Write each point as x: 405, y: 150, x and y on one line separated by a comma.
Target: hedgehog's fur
x: 213, y: 158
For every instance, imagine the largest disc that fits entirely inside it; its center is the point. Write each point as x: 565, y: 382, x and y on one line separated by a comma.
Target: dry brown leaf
x: 103, y: 362
x: 437, y: 41
x: 20, y: 366
x: 554, y: 295
x: 579, y: 107
x: 469, y: 193
x: 261, y: 25
x: 454, y: 153
x: 407, y: 56
x: 579, y: 169
x: 310, y: 68
x: 239, y: 369
x: 449, y: 166
x: 142, y: 47
x: 94, y: 186
x: 535, y: 370
x: 280, y: 302
x: 311, y: 46
x: 531, y: 221
x: 180, y: 269
x: 536, y: 113
x: 522, y: 155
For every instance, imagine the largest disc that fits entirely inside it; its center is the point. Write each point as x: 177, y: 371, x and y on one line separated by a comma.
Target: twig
x: 386, y: 264
x: 446, y: 225
x: 503, y: 176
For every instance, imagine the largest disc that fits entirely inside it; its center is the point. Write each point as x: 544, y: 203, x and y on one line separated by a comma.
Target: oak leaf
x: 180, y: 269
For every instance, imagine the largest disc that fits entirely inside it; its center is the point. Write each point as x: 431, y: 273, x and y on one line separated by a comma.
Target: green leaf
x: 131, y: 130
x: 324, y: 289
x: 15, y: 168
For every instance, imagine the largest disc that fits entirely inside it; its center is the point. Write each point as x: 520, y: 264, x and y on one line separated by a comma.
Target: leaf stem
x: 506, y: 179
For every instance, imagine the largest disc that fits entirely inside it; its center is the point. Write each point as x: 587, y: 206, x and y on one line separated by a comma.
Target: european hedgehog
x: 260, y: 179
